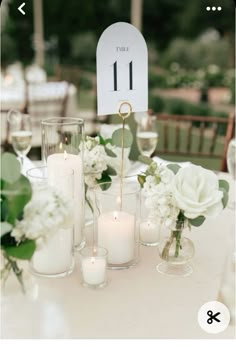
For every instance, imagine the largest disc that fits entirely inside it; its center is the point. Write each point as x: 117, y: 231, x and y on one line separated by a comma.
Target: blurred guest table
x: 137, y: 303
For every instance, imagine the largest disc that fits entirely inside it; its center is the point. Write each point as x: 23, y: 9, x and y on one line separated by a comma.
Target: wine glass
x: 20, y: 132
x: 231, y: 153
x: 147, y: 135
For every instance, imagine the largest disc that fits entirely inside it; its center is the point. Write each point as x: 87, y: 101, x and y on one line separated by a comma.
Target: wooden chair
x: 205, y: 129
x: 39, y: 107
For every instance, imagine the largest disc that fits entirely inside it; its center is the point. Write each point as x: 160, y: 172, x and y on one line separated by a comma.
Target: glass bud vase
x: 62, y: 148
x: 176, y: 251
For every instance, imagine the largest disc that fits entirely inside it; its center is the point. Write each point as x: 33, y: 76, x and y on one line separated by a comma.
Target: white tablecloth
x: 137, y: 303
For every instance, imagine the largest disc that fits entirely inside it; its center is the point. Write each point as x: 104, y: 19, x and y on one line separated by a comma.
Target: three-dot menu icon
x: 213, y: 8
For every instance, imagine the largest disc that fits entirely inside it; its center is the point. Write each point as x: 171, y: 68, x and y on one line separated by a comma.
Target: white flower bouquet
x: 178, y: 195
x: 29, y: 217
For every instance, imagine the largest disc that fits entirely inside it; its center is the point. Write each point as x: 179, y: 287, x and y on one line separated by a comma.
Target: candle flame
x: 65, y: 155
x: 92, y: 260
x: 60, y: 146
x: 115, y: 215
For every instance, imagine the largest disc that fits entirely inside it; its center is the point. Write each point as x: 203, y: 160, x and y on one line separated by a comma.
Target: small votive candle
x: 93, y: 266
x: 149, y: 233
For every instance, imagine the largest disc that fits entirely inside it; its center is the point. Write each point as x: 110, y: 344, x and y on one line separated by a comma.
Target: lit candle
x: 93, y: 270
x: 116, y: 233
x: 149, y: 232
x: 60, y: 162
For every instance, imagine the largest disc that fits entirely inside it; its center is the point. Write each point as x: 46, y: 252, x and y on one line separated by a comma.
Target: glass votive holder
x: 149, y: 233
x: 93, y: 262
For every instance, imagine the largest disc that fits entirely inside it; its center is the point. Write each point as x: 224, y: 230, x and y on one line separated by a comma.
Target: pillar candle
x: 116, y: 233
x: 59, y: 163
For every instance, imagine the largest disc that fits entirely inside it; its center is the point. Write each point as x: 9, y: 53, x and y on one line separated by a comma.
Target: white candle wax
x: 59, y: 163
x: 116, y: 234
x: 55, y: 257
x: 93, y: 270
x: 148, y: 232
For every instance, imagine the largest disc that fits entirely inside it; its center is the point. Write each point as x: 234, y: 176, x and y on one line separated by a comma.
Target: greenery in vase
x: 28, y: 217
x: 176, y: 195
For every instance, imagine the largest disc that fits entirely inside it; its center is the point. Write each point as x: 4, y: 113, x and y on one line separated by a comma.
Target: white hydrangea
x: 47, y: 211
x: 159, y: 196
x: 95, y: 160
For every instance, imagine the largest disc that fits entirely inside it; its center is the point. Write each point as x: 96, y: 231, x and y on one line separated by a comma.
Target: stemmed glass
x: 147, y: 135
x: 231, y: 153
x: 20, y: 132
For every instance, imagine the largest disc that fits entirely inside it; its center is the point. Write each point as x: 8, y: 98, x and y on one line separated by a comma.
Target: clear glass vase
x: 116, y: 222
x: 62, y: 147
x: 55, y: 258
x: 176, y: 251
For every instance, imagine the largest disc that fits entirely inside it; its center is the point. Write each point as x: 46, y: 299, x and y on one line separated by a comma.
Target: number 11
x: 130, y: 75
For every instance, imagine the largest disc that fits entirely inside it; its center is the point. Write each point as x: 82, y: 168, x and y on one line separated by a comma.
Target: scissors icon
x: 212, y: 317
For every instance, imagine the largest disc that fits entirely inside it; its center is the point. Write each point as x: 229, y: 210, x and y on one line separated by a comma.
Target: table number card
x: 122, y: 72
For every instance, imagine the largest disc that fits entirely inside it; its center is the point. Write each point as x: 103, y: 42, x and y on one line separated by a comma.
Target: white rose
x: 196, y: 191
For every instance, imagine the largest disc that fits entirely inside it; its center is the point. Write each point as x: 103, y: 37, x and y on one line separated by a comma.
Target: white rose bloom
x: 196, y: 191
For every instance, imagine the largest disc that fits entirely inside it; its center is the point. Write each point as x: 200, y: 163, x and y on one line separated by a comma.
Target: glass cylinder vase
x: 176, y: 251
x: 116, y: 222
x: 62, y: 147
x: 55, y: 257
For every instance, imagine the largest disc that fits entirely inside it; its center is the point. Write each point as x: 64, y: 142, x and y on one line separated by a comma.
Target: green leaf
x: 110, y: 153
x: 197, y: 221
x: 141, y: 180
x: 106, y: 180
x: 225, y: 197
x: 10, y: 168
x: 117, y: 138
x: 224, y: 184
x: 110, y: 171
x: 108, y: 141
x: 24, y: 250
x: 17, y: 195
x: 101, y: 140
x: 174, y: 167
x: 5, y: 228
x: 145, y: 160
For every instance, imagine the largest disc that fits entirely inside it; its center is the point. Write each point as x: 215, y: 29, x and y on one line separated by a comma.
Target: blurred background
x: 48, y: 67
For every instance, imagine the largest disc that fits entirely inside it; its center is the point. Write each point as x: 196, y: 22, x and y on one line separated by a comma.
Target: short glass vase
x: 176, y: 251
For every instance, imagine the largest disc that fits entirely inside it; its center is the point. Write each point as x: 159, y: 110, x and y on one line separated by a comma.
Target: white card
x: 122, y: 69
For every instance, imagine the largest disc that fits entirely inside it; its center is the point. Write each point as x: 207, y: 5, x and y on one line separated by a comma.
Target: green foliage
x: 10, y: 168
x: 110, y: 171
x: 15, y: 197
x: 117, y: 138
x: 5, y: 228
x: 85, y: 83
x: 197, y: 54
x: 23, y: 251
x: 196, y: 222
x: 83, y: 47
x: 174, y: 168
x: 141, y: 180
x: 105, y: 181
x: 145, y: 160
x: 224, y: 187
x: 110, y: 153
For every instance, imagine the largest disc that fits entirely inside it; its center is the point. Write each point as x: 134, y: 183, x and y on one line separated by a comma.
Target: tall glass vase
x: 55, y: 258
x: 176, y: 251
x: 116, y: 222
x: 62, y: 147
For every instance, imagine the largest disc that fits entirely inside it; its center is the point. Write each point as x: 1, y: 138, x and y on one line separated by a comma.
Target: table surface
x: 136, y: 303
